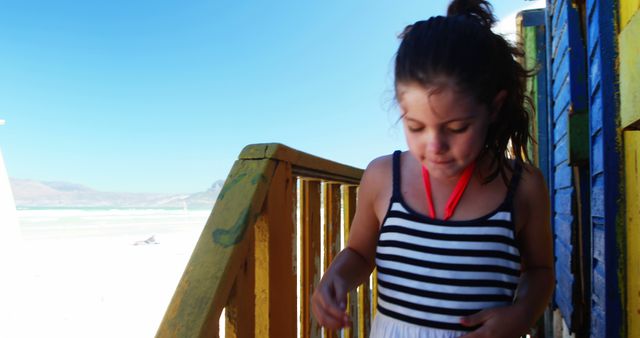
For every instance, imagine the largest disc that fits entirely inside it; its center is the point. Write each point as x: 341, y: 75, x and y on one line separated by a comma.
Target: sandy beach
x: 90, y: 273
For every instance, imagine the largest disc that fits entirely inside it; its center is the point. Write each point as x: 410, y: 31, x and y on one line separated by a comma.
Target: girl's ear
x: 496, y: 105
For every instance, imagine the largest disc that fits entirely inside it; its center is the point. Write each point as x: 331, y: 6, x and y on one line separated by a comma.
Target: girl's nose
x: 436, y: 144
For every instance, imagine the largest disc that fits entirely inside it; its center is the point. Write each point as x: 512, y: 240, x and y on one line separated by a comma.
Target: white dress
x: 384, y: 326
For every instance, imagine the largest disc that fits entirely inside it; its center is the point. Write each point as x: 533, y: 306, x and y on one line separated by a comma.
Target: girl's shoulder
x: 531, y: 183
x: 378, y: 172
x: 376, y: 185
x: 531, y: 197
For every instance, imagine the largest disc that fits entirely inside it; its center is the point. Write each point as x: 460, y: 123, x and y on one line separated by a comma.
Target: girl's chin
x: 447, y: 171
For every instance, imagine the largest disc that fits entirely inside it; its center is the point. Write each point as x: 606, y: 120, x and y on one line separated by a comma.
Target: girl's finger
x: 326, y: 319
x: 333, y: 303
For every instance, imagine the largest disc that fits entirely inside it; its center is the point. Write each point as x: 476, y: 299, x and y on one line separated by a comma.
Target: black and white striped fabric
x: 432, y: 272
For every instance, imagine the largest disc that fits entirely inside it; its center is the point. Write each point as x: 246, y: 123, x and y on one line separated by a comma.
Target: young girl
x: 459, y: 232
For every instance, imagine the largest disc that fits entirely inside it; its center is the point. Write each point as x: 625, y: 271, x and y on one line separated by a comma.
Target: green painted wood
x: 579, y: 132
x: 529, y: 35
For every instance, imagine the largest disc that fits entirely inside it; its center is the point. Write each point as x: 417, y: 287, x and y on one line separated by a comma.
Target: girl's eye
x: 414, y: 129
x: 458, y: 130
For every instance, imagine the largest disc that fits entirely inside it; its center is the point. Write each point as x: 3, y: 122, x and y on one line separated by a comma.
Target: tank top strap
x: 396, y: 175
x: 513, y: 183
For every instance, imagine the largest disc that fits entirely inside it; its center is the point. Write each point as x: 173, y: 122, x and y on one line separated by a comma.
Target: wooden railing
x: 279, y: 220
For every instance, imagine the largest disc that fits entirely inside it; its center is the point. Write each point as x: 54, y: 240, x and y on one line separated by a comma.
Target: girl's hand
x: 501, y: 322
x: 329, y: 302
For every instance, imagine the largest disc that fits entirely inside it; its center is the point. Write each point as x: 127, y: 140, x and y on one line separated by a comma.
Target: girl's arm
x: 537, y: 280
x: 353, y: 265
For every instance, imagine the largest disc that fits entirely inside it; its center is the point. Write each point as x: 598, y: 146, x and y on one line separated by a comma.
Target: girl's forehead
x: 442, y: 101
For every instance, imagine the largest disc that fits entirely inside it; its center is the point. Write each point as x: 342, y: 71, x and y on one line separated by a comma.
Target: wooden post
x: 349, y: 210
x: 331, y: 230
x: 310, y: 214
x: 277, y: 268
x: 240, y: 310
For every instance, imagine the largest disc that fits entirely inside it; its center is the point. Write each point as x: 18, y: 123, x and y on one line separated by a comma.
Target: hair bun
x: 480, y: 10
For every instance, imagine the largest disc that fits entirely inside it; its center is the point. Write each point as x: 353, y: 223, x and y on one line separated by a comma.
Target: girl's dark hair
x: 462, y: 49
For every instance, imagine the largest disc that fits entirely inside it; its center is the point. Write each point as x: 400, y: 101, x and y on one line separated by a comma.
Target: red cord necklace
x: 452, y: 203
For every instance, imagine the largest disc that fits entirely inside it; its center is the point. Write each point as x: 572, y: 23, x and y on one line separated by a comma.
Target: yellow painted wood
x: 364, y: 309
x: 220, y: 251
x: 276, y: 282
x: 263, y: 282
x: 632, y: 186
x: 331, y: 226
x: 628, y: 9
x: 374, y: 293
x: 303, y: 164
x: 629, y: 45
x: 240, y: 314
x: 349, y: 210
x: 310, y: 215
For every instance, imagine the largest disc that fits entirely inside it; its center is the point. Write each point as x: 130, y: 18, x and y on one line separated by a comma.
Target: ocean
x: 97, y: 272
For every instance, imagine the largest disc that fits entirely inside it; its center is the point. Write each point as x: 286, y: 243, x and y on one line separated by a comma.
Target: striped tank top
x: 432, y: 272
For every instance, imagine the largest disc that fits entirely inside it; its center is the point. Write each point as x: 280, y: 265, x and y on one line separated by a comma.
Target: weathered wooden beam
x: 220, y: 251
x: 303, y: 164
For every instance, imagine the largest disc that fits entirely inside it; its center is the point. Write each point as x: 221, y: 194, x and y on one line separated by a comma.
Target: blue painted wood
x: 562, y: 103
x: 590, y: 8
x: 560, y: 50
x: 599, y: 284
x: 543, y: 127
x: 561, y: 151
x: 567, y: 95
x: 598, y: 196
x: 533, y: 17
x: 561, y: 130
x: 557, y: 16
x: 578, y: 65
x: 605, y: 164
x: 597, y: 324
x: 563, y: 227
x: 598, y: 243
x: 563, y: 176
x: 561, y: 74
x: 597, y: 151
x: 596, y: 119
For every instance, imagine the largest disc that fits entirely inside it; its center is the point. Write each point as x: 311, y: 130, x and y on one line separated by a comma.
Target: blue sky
x: 161, y: 96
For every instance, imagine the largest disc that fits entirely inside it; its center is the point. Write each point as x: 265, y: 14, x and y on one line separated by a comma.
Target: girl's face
x: 445, y: 130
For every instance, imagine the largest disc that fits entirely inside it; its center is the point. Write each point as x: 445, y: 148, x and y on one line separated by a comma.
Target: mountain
x: 32, y: 193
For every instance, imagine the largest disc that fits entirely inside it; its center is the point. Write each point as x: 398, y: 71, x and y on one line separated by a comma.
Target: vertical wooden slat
x: 632, y: 185
x: 364, y: 310
x: 263, y: 258
x: 374, y: 292
x: 275, y: 257
x: 349, y: 210
x: 606, y: 166
x: 331, y: 230
x: 240, y: 310
x: 310, y: 214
